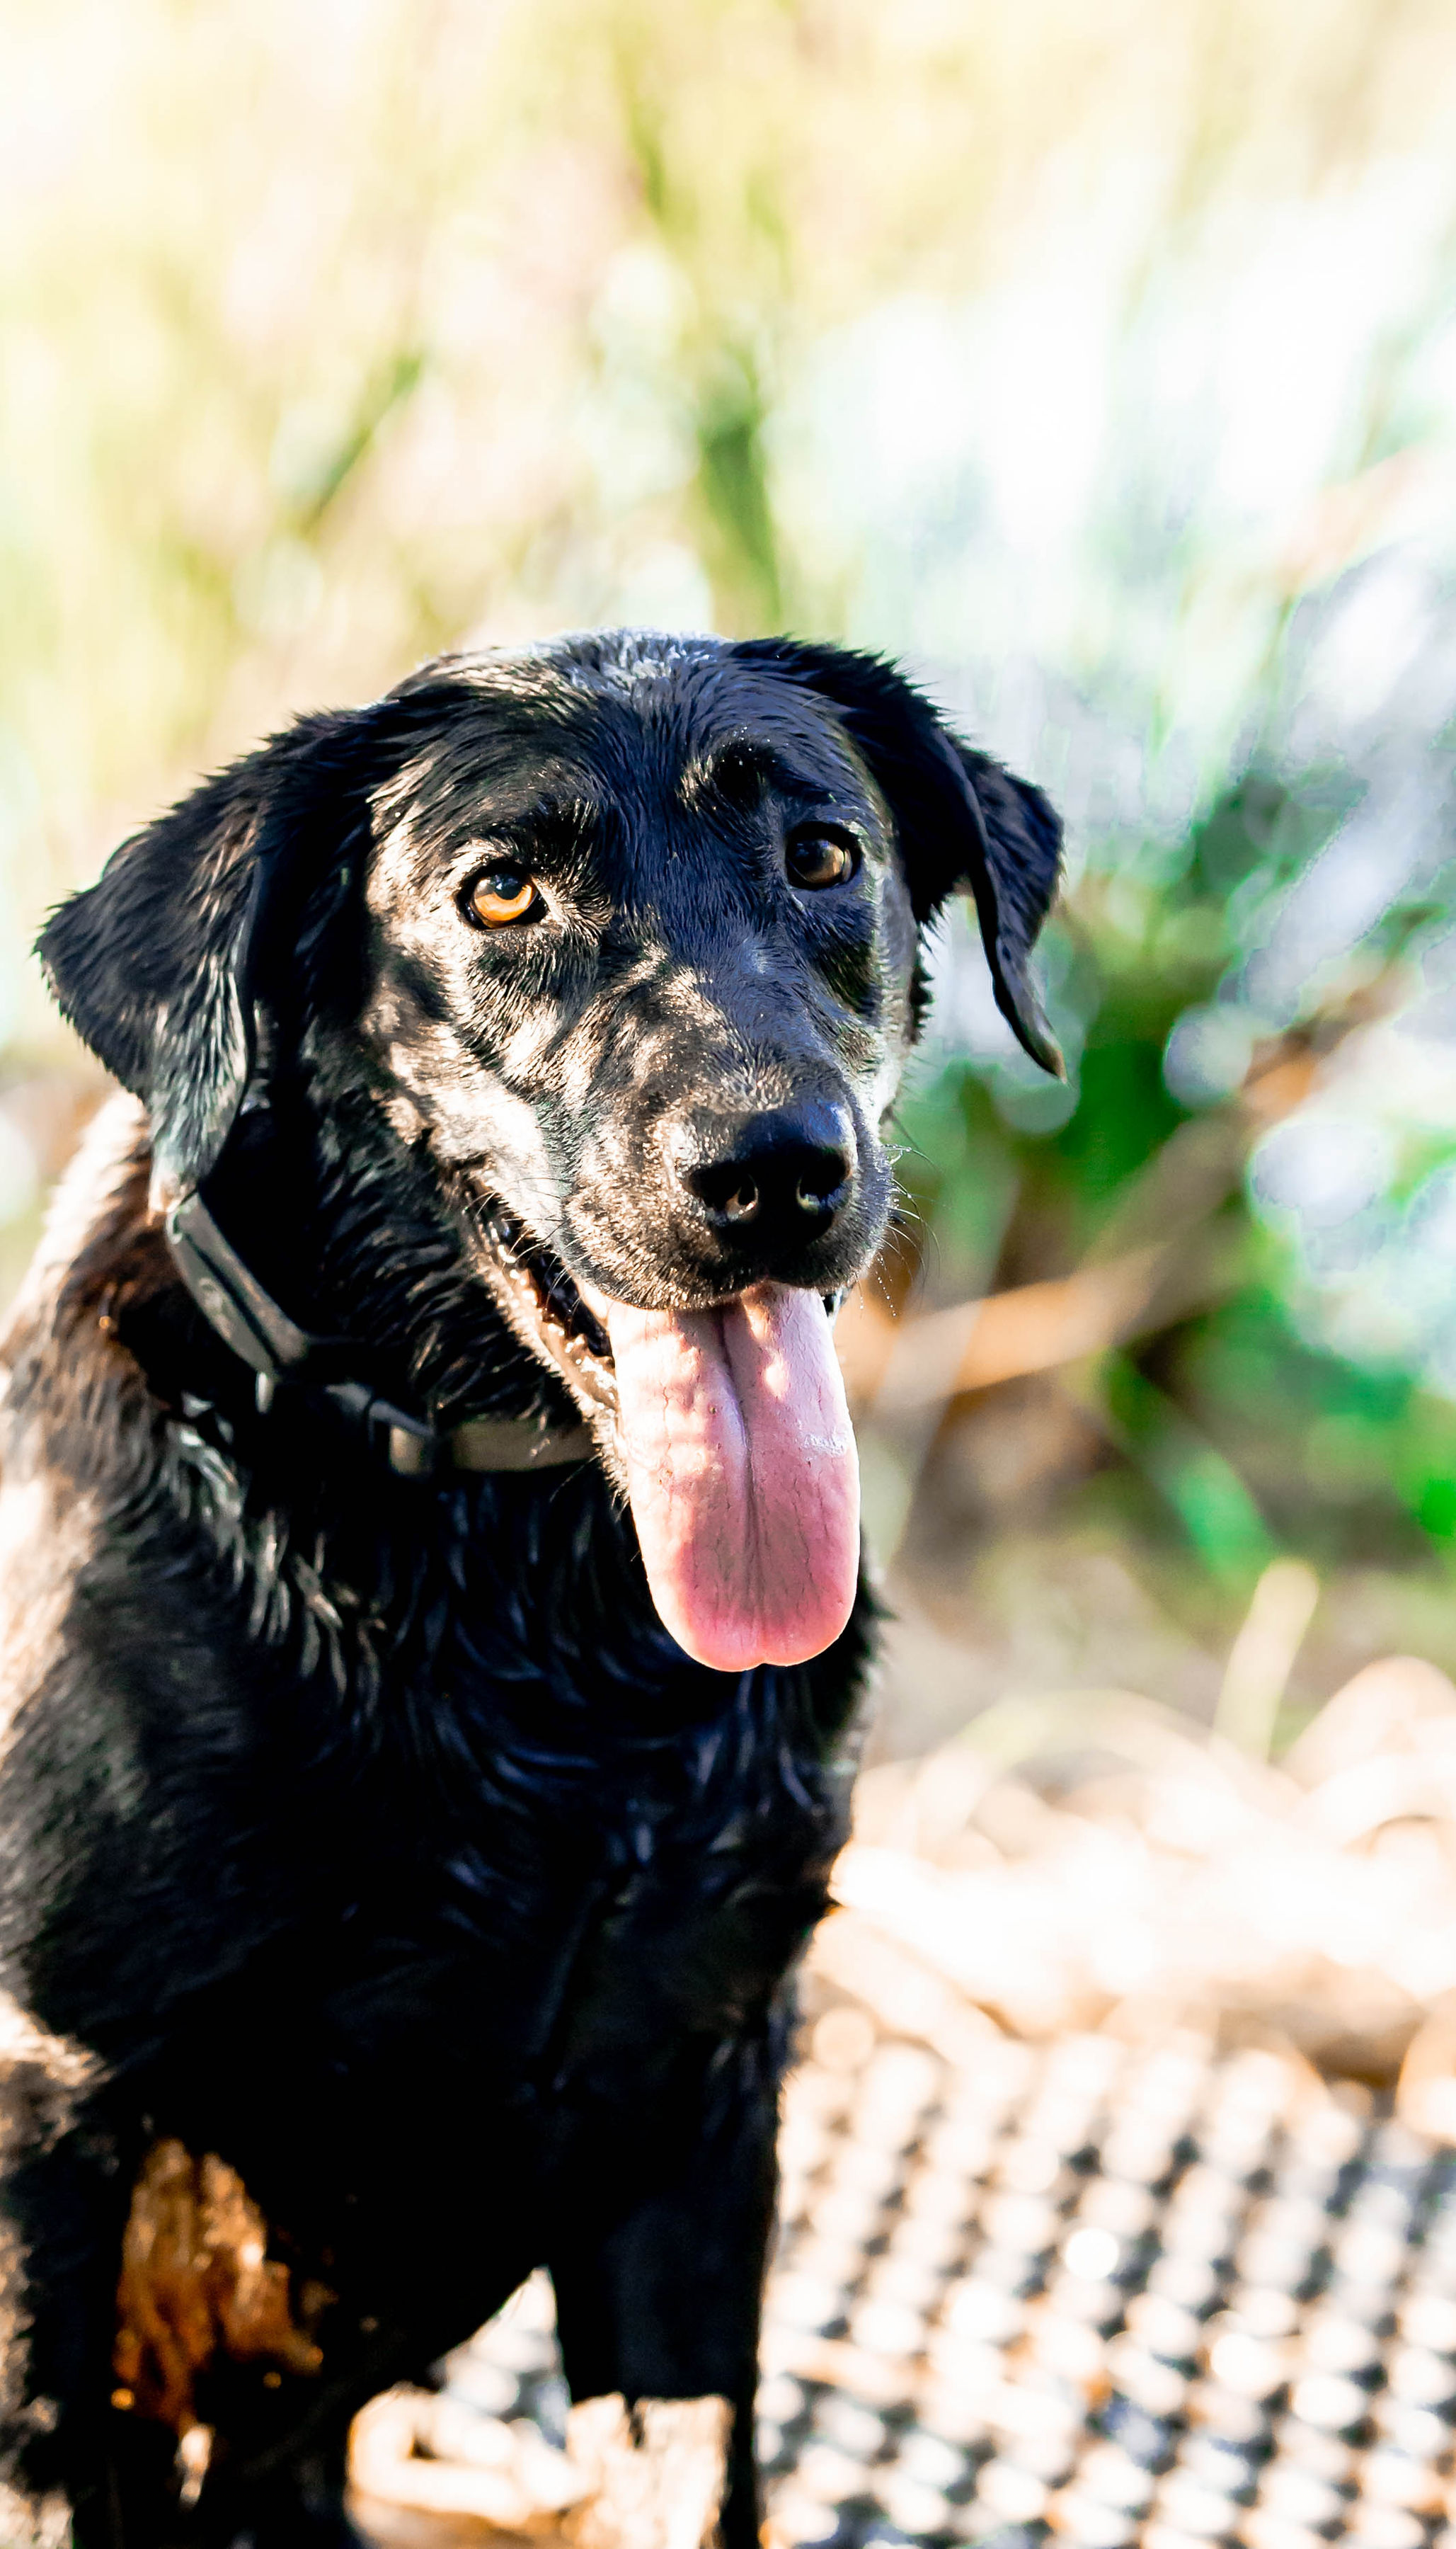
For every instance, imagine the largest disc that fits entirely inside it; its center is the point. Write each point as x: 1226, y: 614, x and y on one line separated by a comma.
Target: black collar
x: 263, y: 1336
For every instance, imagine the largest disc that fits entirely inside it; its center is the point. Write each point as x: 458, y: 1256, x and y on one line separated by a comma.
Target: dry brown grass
x: 329, y: 340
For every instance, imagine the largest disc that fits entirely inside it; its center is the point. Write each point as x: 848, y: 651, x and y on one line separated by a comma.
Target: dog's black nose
x: 780, y: 1175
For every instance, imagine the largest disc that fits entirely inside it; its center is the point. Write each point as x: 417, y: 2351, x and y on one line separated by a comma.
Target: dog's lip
x: 565, y: 1316
x: 548, y: 1308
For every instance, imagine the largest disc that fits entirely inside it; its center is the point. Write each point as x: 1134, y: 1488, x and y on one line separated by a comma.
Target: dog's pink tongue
x: 742, y: 1472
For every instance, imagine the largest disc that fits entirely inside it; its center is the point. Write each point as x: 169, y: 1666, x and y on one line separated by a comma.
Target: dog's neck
x: 343, y: 1235
x: 283, y: 1355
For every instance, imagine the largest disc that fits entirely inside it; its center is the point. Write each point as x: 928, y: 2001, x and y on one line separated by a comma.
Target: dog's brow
x: 743, y: 766
x: 555, y: 813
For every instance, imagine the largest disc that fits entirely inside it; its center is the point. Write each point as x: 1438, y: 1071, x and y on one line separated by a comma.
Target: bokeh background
x: 1100, y: 362
x: 1102, y: 365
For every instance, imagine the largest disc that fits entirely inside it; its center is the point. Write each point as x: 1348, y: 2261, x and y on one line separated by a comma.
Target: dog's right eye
x: 500, y: 895
x: 816, y: 858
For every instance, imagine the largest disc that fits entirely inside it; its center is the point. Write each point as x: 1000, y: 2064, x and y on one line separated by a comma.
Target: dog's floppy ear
x: 961, y: 819
x: 156, y: 964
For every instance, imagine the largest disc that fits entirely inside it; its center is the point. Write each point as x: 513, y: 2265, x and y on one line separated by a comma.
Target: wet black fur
x: 375, y: 1834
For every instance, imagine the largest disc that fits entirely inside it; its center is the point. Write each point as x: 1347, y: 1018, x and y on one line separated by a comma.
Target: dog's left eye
x: 816, y: 859
x: 502, y: 894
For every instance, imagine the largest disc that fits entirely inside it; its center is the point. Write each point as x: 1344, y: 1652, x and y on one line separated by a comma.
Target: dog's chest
x: 568, y: 1841
x: 529, y: 1851
x: 565, y: 1911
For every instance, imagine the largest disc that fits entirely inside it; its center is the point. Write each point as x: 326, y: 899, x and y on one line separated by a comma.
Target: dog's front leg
x: 659, y: 2304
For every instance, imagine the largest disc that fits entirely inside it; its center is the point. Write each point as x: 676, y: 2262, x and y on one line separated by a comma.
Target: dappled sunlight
x: 1102, y: 366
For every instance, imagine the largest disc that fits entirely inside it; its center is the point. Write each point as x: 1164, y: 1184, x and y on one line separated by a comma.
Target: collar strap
x: 276, y: 1349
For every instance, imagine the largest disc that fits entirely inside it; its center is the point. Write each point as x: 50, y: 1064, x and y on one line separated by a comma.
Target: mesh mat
x: 1103, y: 2292
x: 1058, y: 2261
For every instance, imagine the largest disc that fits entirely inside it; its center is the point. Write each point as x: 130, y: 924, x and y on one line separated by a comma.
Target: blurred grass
x: 327, y: 340
x: 1102, y: 362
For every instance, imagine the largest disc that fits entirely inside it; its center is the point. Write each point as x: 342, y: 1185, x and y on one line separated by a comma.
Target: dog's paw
x: 34, y: 2521
x: 414, y: 2453
x: 653, y: 2472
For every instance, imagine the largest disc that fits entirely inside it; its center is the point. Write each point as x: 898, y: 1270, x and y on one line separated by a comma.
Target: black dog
x: 432, y: 1645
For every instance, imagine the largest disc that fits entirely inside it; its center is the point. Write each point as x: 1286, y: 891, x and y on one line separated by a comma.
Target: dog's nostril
x: 788, y: 1170
x: 822, y: 1178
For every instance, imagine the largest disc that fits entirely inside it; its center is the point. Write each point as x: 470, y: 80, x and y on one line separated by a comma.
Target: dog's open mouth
x: 548, y: 1312
x: 735, y: 1442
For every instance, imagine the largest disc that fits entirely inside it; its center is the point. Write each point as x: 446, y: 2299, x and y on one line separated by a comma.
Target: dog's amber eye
x: 815, y: 859
x: 502, y: 895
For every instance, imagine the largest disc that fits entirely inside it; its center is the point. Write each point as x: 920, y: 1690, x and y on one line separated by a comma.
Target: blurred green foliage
x: 1102, y: 363
x: 1230, y: 1434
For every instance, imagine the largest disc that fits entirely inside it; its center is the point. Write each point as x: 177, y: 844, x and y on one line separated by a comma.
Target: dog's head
x: 623, y: 939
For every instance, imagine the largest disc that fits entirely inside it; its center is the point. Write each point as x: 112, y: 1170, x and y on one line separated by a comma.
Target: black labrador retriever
x: 433, y: 1632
